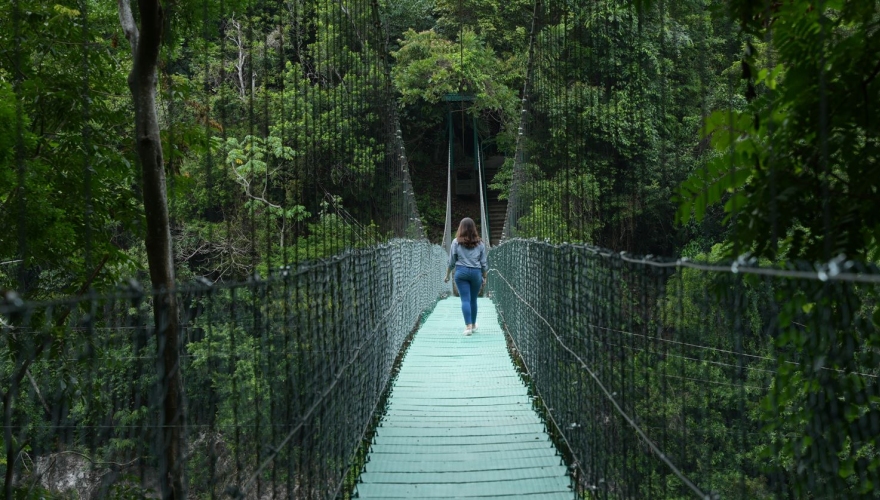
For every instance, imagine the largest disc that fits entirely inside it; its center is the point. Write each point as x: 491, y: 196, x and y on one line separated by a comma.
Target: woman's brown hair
x: 467, y: 233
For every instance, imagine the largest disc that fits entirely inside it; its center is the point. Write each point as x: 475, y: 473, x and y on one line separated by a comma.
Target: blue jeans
x: 468, y: 280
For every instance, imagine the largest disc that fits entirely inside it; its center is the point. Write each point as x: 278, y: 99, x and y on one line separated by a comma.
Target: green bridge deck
x: 459, y: 422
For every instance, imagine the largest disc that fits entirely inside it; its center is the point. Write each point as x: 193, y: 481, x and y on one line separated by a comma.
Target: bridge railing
x: 661, y: 379
x: 282, y: 379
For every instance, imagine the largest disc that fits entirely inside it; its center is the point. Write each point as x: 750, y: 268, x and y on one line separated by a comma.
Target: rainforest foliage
x: 796, y: 170
x: 715, y: 131
x: 238, y: 108
x: 246, y: 112
x: 707, y: 129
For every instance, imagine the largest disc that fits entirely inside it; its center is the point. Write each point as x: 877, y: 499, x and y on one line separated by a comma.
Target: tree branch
x: 129, y: 28
x: 37, y: 390
x: 873, y: 74
x: 247, y: 190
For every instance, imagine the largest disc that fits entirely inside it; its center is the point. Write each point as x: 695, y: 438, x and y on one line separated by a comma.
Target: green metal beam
x: 459, y: 98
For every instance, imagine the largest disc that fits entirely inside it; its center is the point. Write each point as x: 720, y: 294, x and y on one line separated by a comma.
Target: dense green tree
x: 403, y: 15
x: 797, y: 173
x: 801, y: 159
x: 429, y: 67
x: 504, y: 26
x: 618, y: 92
x: 76, y: 189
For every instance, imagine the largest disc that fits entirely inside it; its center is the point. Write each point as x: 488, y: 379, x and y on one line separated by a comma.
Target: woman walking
x: 468, y: 257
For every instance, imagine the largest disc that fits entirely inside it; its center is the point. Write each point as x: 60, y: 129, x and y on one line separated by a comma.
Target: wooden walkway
x: 459, y: 422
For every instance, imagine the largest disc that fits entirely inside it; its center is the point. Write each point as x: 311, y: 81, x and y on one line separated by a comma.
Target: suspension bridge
x: 459, y: 422
x: 317, y: 352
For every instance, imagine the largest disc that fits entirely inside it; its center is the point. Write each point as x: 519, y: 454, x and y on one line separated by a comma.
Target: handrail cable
x: 327, y: 391
x: 608, y: 395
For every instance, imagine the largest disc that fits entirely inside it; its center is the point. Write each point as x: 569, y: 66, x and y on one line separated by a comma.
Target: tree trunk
x: 143, y: 81
x: 10, y: 445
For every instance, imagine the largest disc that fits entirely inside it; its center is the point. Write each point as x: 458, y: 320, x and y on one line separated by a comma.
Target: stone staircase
x: 497, y: 208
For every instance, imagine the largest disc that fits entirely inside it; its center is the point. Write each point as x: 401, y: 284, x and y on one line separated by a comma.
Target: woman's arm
x: 484, y: 263
x: 450, y: 264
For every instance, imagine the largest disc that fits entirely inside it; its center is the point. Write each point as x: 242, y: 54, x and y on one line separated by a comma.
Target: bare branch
x: 37, y: 390
x: 237, y: 38
x: 247, y: 190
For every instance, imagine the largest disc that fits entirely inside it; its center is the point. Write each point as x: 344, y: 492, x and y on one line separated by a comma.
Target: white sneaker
x: 476, y: 325
x: 467, y: 332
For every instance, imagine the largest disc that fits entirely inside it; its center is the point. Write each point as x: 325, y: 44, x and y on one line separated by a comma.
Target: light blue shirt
x: 468, y: 257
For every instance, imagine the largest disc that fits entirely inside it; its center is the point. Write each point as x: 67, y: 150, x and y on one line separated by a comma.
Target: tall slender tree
x: 145, y: 44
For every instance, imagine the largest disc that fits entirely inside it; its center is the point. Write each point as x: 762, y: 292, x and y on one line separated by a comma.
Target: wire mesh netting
x: 282, y: 378
x: 661, y: 378
x: 291, y: 211
x: 278, y: 126
x: 738, y: 377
